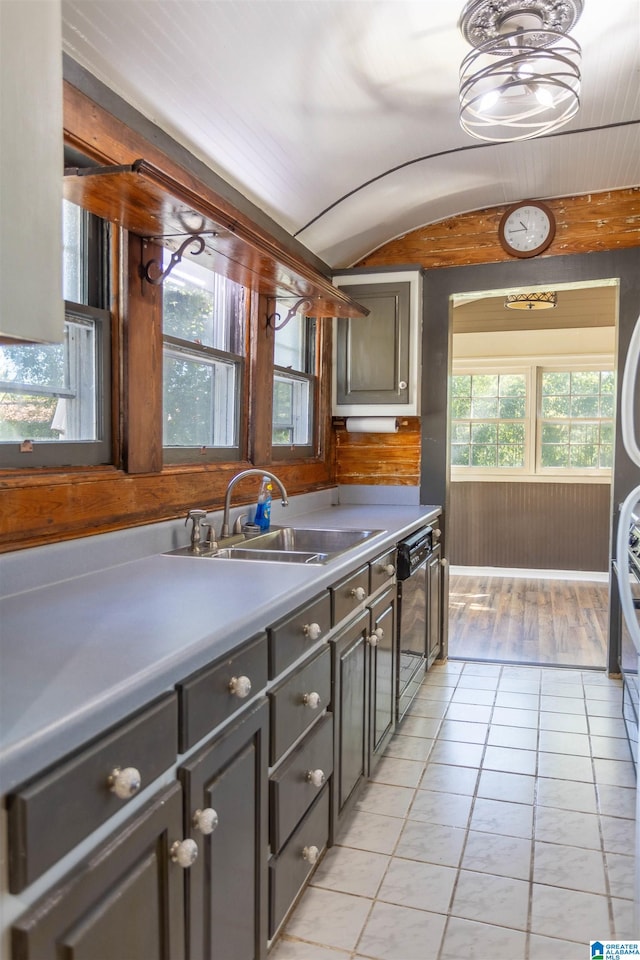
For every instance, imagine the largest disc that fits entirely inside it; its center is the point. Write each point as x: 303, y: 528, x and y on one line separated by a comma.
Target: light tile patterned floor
x: 500, y: 824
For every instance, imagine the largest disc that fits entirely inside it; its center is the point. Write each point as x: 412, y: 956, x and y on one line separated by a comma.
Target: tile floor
x: 499, y: 824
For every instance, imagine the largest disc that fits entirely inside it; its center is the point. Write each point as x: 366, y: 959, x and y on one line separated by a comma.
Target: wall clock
x: 526, y: 228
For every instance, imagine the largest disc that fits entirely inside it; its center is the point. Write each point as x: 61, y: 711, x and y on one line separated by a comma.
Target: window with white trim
x: 204, y: 346
x: 294, y: 387
x: 54, y: 398
x: 548, y: 420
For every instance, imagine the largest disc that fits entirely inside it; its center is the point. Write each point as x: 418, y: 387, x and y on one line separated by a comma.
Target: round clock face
x: 527, y: 229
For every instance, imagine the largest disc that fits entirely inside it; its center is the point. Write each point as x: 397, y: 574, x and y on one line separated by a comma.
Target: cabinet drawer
x: 382, y: 570
x: 207, y: 698
x: 53, y: 813
x: 292, y: 637
x: 291, y: 788
x: 293, y: 709
x: 349, y: 594
x: 290, y: 869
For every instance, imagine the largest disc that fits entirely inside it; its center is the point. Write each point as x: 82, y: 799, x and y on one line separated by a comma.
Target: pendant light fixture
x: 522, y: 79
x: 531, y: 301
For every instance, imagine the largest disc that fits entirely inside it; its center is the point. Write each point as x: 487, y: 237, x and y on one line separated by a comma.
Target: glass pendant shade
x: 515, y: 87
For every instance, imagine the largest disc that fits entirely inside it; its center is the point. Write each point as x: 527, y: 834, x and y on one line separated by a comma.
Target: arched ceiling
x: 339, y: 118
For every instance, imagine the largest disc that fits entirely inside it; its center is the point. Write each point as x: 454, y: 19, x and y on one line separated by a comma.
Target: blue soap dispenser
x: 263, y: 507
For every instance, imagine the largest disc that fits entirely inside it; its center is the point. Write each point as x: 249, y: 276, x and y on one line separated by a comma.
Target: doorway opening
x: 531, y: 451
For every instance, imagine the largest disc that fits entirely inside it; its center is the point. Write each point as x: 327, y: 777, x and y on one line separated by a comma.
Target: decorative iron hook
x: 176, y: 257
x: 273, y: 319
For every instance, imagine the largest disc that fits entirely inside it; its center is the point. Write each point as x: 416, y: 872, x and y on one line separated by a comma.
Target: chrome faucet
x: 240, y: 476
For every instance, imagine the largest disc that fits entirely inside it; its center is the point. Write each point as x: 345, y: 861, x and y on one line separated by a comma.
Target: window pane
x: 584, y: 407
x: 511, y: 456
x: 512, y: 385
x: 460, y: 408
x: 460, y: 455
x: 199, y: 402
x: 553, y: 407
x: 484, y: 433
x: 461, y: 386
x: 608, y: 382
x: 295, y: 342
x: 607, y: 405
x: 73, y: 253
x: 512, y: 408
x: 555, y: 433
x: 554, y: 455
x: 203, y: 307
x: 484, y: 456
x: 555, y: 383
x: 585, y: 432
x: 584, y: 455
x: 606, y: 455
x: 484, y: 409
x: 48, y: 392
x: 460, y: 432
x: 511, y: 433
x: 292, y: 411
x: 586, y: 382
x: 485, y: 385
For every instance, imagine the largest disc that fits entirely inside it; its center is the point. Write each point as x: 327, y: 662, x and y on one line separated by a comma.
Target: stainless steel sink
x: 315, y: 541
x: 272, y: 556
x: 286, y: 545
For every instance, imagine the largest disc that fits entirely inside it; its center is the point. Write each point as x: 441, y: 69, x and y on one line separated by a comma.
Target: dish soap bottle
x: 263, y: 507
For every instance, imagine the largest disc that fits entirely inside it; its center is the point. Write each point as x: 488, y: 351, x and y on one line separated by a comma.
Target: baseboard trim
x: 521, y: 573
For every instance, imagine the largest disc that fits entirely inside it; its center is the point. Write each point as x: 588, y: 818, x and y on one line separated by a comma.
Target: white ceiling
x: 299, y: 103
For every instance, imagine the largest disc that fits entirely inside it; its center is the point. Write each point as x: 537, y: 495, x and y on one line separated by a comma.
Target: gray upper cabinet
x: 377, y: 358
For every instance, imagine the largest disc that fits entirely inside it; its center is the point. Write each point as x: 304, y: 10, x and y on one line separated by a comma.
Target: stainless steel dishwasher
x: 413, y: 556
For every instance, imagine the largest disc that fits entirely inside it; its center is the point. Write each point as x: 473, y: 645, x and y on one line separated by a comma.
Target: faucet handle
x: 237, y: 527
x: 196, y: 516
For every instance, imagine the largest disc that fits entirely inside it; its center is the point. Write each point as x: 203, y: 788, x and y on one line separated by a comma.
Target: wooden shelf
x: 147, y: 202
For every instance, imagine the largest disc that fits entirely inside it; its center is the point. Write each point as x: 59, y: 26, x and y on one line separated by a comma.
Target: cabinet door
x: 373, y: 352
x: 434, y: 605
x: 382, y: 672
x: 126, y: 901
x: 227, y: 885
x: 351, y: 703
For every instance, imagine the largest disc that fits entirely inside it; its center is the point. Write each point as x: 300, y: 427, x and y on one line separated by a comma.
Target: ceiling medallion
x: 483, y: 20
x: 531, y: 301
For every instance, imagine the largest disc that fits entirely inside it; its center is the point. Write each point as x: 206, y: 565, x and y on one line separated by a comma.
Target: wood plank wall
x: 538, y: 526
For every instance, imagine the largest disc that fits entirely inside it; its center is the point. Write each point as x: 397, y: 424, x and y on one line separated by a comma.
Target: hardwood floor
x: 527, y: 620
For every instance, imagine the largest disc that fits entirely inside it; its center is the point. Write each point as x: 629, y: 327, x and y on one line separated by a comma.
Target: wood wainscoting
x: 536, y: 526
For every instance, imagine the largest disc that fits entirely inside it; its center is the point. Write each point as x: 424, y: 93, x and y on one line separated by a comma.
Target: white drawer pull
x: 316, y: 777
x: 376, y: 637
x: 205, y: 820
x: 359, y: 593
x: 310, y: 854
x: 240, y: 687
x: 312, y: 630
x: 389, y: 569
x: 311, y: 700
x: 184, y: 853
x: 125, y: 783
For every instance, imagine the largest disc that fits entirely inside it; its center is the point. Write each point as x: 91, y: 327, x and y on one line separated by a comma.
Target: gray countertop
x: 80, y: 655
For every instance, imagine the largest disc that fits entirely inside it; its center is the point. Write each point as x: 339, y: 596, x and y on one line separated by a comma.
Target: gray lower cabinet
x: 350, y: 699
x: 227, y: 885
x: 382, y: 671
x: 125, y: 901
x: 434, y: 605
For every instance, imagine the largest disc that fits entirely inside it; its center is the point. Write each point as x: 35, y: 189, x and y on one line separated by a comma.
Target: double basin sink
x: 285, y: 545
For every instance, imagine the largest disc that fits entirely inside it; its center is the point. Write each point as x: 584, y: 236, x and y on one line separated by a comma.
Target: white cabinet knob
x: 376, y: 637
x: 205, y: 820
x: 184, y: 853
x: 389, y: 569
x: 316, y: 777
x: 436, y: 533
x: 403, y: 384
x: 311, y: 700
x: 125, y: 783
x: 312, y: 630
x: 359, y: 593
x: 240, y: 687
x: 310, y: 854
